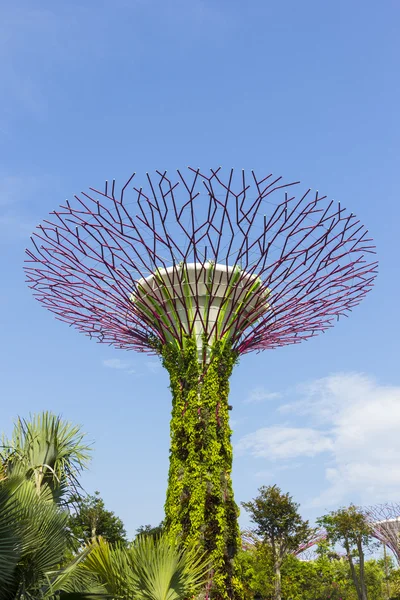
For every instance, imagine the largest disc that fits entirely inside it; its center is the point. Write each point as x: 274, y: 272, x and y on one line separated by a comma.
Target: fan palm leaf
x: 149, y: 570
x: 10, y: 535
x: 33, y: 541
x: 165, y: 571
x: 112, y: 566
x: 47, y: 450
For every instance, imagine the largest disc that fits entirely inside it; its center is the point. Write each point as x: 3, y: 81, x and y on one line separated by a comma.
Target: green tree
x: 33, y: 543
x: 91, y: 519
x: 47, y: 450
x: 325, y: 578
x: 245, y: 571
x: 394, y: 584
x: 155, y: 532
x: 349, y: 527
x: 280, y: 525
x: 39, y: 467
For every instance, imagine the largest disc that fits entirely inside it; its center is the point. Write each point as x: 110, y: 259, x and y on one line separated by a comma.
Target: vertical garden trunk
x: 200, y: 507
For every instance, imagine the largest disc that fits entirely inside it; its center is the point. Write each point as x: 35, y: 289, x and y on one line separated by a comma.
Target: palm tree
x: 38, y: 467
x: 47, y: 450
x: 151, y: 569
x: 33, y: 542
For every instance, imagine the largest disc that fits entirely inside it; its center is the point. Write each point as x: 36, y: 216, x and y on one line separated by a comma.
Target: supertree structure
x: 384, y: 520
x: 201, y: 268
x: 302, y: 551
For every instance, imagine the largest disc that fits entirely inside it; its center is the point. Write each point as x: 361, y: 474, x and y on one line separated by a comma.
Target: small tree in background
x: 279, y: 523
x: 349, y: 527
x: 91, y: 520
x: 155, y: 532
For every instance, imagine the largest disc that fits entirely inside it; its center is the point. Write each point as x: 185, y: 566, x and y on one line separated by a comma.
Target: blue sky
x: 309, y: 90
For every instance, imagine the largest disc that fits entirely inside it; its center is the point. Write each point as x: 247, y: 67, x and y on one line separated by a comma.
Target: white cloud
x: 353, y: 419
x: 116, y: 363
x: 152, y: 367
x: 280, y: 442
x: 269, y: 474
x: 259, y: 394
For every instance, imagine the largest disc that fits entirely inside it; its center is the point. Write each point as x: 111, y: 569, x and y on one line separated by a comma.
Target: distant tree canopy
x: 150, y: 530
x: 91, y: 519
x: 38, y: 560
x: 320, y: 579
x: 280, y: 525
x: 349, y: 527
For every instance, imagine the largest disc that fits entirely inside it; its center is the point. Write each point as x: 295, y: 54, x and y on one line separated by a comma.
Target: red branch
x: 384, y: 520
x: 311, y: 254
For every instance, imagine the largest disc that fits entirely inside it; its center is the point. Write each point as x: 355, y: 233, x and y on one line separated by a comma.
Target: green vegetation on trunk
x: 200, y: 506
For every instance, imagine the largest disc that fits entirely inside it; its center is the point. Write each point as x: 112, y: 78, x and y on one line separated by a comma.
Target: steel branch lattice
x: 317, y: 538
x: 311, y: 255
x: 384, y: 520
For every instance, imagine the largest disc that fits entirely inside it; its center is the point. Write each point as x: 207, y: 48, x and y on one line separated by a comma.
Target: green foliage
x: 280, y: 525
x: 154, y: 532
x: 200, y: 506
x: 33, y: 542
x: 278, y: 521
x: 245, y: 571
x: 49, y: 451
x: 393, y: 584
x: 349, y: 527
x: 10, y: 534
x: 149, y: 570
x: 91, y: 519
x: 164, y: 314
x: 38, y: 464
x: 320, y: 579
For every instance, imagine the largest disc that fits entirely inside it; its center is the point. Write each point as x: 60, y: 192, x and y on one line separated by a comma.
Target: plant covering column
x: 200, y: 506
x: 201, y: 267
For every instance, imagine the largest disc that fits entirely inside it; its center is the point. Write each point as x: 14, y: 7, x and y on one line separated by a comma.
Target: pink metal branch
x: 384, y: 520
x: 86, y: 259
x: 318, y: 537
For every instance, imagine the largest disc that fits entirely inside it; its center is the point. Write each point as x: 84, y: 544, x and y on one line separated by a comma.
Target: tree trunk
x: 386, y: 572
x: 353, y: 572
x: 363, y: 586
x: 278, y: 581
x: 93, y: 527
x: 200, y: 506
